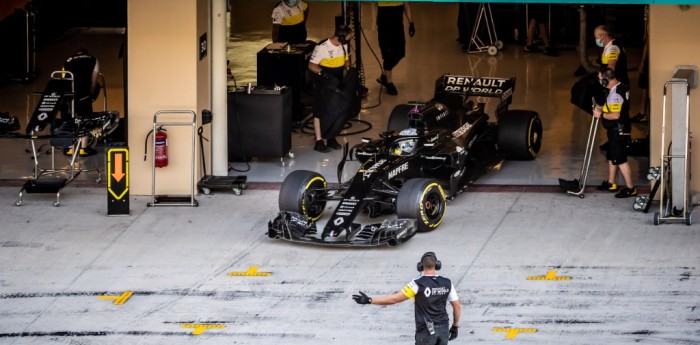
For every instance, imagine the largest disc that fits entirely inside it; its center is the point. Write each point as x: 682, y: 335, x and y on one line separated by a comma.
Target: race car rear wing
x: 478, y: 86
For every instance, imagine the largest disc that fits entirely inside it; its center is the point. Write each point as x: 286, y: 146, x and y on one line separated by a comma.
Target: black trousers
x: 336, y: 101
x: 441, y: 336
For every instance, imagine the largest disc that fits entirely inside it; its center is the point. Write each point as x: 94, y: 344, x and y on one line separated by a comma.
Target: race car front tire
x: 422, y: 199
x: 303, y: 192
x: 398, y: 120
x: 520, y: 134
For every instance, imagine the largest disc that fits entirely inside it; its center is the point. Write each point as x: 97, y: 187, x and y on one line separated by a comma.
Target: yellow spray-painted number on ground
x: 251, y: 272
x: 199, y: 328
x: 551, y: 275
x: 121, y: 299
x: 511, y: 333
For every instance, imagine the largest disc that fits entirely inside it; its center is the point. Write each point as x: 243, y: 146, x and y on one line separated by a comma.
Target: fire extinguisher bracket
x: 181, y: 118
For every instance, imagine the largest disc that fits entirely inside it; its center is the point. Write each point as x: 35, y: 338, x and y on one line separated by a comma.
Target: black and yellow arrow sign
x: 118, y: 167
x: 118, y: 181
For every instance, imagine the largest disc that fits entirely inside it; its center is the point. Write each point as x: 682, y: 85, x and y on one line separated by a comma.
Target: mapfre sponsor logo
x: 401, y: 168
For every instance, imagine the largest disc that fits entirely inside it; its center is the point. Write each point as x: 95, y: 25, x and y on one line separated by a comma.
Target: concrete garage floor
x: 598, y: 275
x: 531, y: 265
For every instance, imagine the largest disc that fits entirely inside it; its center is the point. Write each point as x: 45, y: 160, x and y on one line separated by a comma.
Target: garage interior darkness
x: 542, y: 82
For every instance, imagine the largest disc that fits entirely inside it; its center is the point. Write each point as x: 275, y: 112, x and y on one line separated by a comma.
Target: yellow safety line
x: 551, y: 275
x: 121, y: 299
x: 199, y: 328
x: 251, y: 272
x: 511, y: 333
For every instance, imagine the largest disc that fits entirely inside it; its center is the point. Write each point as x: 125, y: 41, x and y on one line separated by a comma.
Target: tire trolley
x: 674, y: 173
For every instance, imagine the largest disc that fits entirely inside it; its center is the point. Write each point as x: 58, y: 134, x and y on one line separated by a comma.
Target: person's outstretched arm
x: 362, y: 298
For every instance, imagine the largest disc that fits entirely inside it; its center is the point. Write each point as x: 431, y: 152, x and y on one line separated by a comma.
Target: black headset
x: 608, y: 73
x: 342, y: 32
x: 438, y: 264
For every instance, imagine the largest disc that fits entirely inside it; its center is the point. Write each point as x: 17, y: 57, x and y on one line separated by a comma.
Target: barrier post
x: 117, y: 180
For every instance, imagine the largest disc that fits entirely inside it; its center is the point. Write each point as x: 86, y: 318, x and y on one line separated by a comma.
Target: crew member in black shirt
x: 616, y: 120
x: 430, y: 293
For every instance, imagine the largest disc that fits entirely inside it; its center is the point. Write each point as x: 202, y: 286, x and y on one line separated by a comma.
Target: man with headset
x: 616, y: 120
x: 335, y: 88
x: 430, y: 293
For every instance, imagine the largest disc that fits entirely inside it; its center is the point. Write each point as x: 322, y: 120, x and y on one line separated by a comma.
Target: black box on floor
x: 259, y: 124
x: 284, y: 67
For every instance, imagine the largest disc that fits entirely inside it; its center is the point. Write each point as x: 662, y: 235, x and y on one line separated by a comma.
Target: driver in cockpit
x: 406, y: 146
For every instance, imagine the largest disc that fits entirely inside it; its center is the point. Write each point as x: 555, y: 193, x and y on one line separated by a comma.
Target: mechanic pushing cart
x: 431, y: 152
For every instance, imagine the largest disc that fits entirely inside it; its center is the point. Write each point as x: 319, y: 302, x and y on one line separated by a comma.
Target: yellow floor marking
x: 511, y: 333
x: 251, y: 272
x: 199, y: 328
x: 117, y: 299
x: 551, y: 275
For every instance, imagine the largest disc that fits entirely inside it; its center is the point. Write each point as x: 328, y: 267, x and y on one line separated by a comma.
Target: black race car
x: 431, y: 152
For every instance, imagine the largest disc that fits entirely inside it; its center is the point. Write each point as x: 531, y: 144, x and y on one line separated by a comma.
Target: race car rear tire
x: 422, y: 199
x: 520, y: 134
x: 303, y: 192
x: 399, y: 118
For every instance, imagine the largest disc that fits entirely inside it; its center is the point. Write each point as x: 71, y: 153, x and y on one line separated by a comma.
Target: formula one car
x: 431, y: 152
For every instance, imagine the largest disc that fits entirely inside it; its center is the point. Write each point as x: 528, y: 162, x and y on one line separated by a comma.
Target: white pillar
x: 219, y: 140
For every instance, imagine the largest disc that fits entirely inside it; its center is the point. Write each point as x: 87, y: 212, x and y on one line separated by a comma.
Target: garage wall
x: 165, y: 73
x: 204, y: 80
x: 673, y: 33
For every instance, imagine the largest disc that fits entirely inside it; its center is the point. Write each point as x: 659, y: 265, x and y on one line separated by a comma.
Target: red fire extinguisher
x: 161, y: 147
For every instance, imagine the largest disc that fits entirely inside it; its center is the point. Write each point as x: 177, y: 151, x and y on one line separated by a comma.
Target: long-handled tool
x: 577, y: 186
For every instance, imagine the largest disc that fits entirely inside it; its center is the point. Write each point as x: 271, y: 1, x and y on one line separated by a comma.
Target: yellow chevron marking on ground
x: 121, y: 299
x: 511, y: 333
x: 199, y: 328
x: 551, y: 275
x: 251, y: 272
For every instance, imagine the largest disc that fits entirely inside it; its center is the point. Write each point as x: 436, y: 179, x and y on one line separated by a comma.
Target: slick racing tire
x: 422, y: 199
x: 398, y: 120
x: 520, y: 134
x: 303, y: 192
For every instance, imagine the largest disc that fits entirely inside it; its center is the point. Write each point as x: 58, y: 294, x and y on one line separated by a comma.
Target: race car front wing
x: 295, y: 227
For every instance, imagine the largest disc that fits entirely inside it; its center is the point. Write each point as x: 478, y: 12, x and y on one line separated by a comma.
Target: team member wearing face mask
x: 614, y: 55
x: 289, y: 21
x: 615, y: 117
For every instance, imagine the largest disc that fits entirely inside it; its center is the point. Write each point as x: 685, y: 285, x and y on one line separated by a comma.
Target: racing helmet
x: 405, y: 147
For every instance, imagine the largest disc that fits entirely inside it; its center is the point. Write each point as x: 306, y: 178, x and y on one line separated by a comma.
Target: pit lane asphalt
x: 530, y: 267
